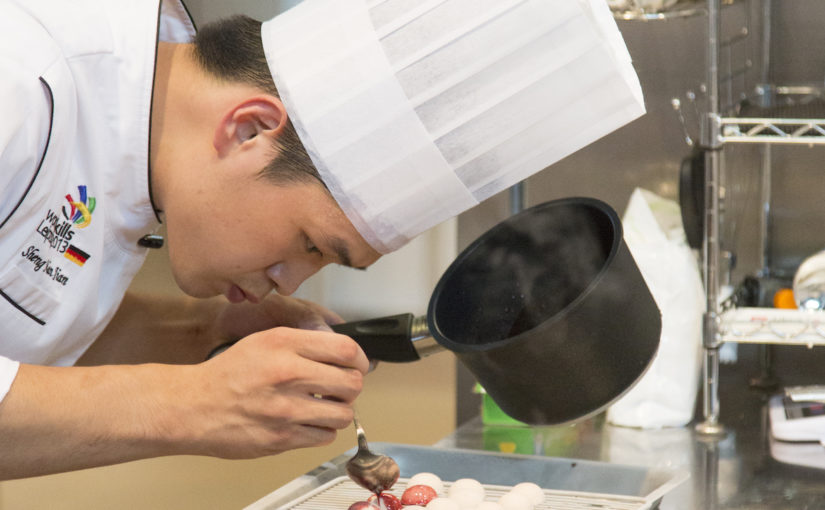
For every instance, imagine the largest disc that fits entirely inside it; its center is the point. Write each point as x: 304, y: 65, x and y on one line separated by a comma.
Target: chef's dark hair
x: 231, y: 50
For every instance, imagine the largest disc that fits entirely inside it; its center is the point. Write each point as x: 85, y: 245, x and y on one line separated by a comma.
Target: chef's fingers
x: 308, y: 436
x: 332, y: 349
x: 327, y: 382
x: 325, y: 413
x: 318, y: 346
x: 307, y: 363
x: 305, y: 436
x: 287, y: 412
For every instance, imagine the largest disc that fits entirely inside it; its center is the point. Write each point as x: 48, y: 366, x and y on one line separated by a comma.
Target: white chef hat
x: 414, y: 111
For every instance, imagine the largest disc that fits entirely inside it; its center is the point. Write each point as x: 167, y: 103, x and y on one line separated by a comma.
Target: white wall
x: 400, y: 282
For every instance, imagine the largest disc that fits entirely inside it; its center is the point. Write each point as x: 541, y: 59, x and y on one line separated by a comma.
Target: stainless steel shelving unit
x: 719, y: 128
x: 772, y: 326
x: 683, y: 10
x: 770, y: 130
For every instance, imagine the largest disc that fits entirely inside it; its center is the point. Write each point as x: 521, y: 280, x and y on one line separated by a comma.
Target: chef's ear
x: 246, y: 121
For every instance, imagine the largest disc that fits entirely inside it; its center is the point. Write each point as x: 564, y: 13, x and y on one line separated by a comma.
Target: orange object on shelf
x: 784, y: 299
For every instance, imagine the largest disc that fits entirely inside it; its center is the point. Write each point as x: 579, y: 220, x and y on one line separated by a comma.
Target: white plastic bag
x: 666, y: 395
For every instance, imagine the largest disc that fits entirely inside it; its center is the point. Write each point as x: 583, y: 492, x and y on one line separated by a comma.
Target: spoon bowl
x: 374, y: 472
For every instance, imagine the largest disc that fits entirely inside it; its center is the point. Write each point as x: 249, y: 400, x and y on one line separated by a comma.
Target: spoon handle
x: 359, y: 432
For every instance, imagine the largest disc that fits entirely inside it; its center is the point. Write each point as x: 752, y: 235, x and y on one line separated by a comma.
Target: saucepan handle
x: 383, y: 339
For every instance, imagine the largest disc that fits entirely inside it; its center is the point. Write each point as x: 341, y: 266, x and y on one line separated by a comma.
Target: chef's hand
x: 288, y: 383
x: 275, y: 390
x: 257, y: 398
x: 239, y: 320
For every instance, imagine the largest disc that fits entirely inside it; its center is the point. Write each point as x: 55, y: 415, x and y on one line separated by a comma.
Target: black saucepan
x: 547, y: 309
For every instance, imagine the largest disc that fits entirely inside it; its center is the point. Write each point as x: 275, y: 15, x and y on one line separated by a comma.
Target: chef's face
x: 242, y: 236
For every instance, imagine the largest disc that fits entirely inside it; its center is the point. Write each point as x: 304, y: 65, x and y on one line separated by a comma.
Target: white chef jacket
x: 75, y: 107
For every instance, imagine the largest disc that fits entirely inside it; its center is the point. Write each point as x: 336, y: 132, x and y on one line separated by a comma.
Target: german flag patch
x: 76, y: 255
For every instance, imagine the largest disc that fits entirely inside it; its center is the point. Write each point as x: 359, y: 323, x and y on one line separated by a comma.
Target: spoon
x: 376, y: 473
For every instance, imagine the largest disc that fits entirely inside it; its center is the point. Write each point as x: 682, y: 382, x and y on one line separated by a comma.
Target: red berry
x: 362, y: 505
x: 390, y: 501
x: 418, y: 495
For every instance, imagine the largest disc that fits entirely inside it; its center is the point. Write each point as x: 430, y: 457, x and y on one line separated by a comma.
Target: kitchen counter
x: 735, y: 471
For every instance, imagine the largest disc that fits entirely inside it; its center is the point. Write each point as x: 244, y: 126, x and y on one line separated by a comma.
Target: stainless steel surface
x: 734, y: 471
x: 423, y: 343
x: 765, y: 212
x: 710, y: 246
x: 573, y: 484
x: 518, y: 198
x: 794, y: 69
x: 374, y: 472
x: 710, y: 426
x: 790, y: 130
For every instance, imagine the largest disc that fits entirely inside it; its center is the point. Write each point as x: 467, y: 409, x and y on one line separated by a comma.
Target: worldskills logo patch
x: 81, y: 210
x: 80, y: 216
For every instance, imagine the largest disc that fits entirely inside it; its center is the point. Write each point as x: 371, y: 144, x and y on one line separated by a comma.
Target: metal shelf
x: 796, y: 116
x: 773, y: 326
x: 774, y: 131
x: 773, y: 115
x: 683, y: 9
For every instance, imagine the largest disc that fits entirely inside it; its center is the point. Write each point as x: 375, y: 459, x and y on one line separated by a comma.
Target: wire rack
x: 773, y: 326
x: 342, y: 492
x: 798, y: 119
x: 635, y: 10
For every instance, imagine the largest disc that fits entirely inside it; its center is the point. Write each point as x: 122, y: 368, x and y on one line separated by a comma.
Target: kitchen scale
x: 798, y: 426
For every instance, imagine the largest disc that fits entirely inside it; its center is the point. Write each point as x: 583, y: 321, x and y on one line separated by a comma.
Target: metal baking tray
x: 568, y: 483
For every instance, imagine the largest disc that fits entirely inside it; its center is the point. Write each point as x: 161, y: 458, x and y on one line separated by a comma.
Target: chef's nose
x: 289, y: 276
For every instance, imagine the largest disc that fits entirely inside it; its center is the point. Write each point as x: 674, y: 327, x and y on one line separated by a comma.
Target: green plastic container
x: 491, y: 413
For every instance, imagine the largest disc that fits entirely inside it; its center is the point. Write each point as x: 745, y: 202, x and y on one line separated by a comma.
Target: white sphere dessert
x: 467, y: 498
x: 428, y: 479
x: 442, y: 504
x: 515, y: 501
x: 531, y: 491
x: 467, y: 484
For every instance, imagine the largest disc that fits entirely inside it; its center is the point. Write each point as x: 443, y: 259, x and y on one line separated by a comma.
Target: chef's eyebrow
x: 339, y: 247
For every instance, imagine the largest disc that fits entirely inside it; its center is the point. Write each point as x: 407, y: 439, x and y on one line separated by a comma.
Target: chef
x: 333, y: 133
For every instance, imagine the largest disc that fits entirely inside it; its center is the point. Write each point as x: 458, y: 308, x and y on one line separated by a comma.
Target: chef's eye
x: 311, y: 248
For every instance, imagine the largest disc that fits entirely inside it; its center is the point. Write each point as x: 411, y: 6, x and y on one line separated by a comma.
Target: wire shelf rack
x: 342, y: 492
x: 773, y: 326
x: 796, y: 117
x: 781, y: 131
